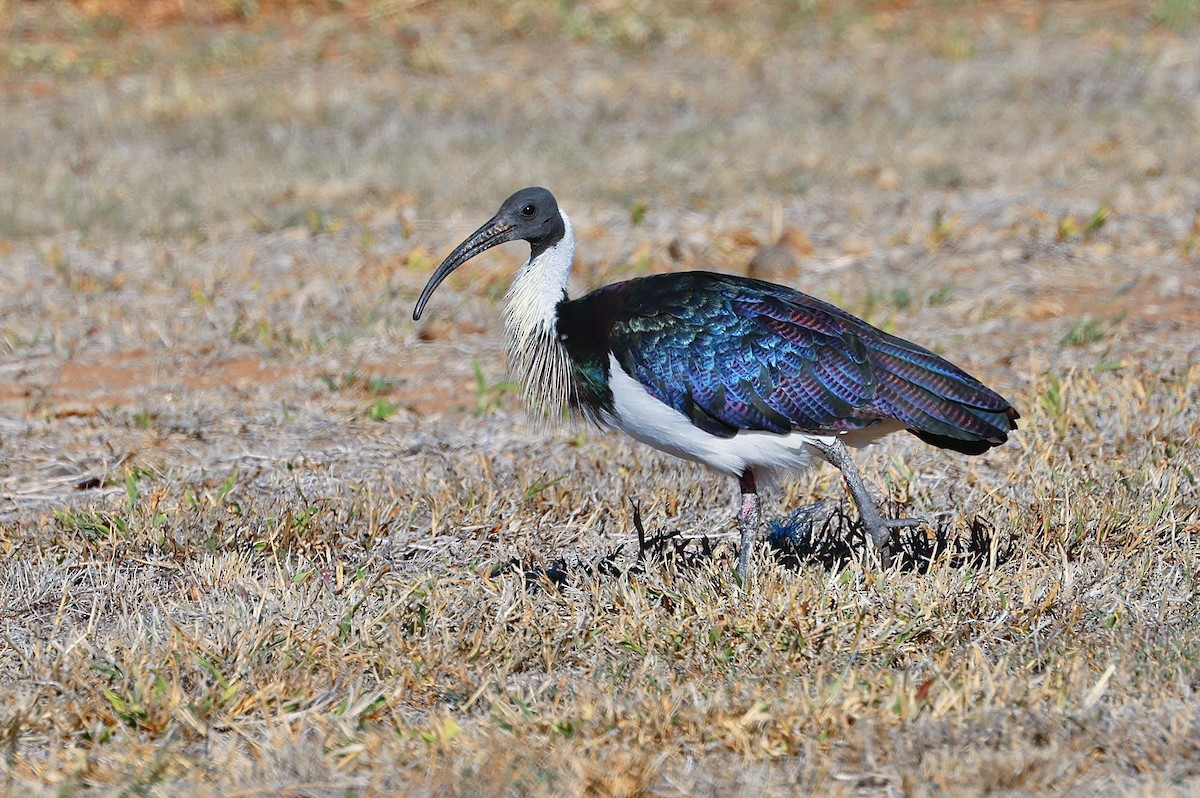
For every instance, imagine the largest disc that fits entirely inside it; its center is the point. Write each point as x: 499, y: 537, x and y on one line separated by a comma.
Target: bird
x: 747, y: 377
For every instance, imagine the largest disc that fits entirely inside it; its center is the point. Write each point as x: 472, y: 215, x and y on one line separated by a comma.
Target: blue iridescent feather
x: 734, y: 354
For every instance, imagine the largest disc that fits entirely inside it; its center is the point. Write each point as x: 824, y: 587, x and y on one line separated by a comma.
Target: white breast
x: 645, y: 418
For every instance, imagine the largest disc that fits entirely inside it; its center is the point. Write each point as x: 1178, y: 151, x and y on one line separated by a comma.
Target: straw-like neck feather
x: 536, y: 357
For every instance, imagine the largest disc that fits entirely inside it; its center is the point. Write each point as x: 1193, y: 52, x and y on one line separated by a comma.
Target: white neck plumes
x: 535, y: 356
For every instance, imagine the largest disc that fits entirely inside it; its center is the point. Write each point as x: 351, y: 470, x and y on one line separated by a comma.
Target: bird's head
x: 530, y: 215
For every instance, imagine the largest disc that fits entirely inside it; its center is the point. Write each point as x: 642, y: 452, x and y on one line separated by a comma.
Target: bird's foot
x: 880, y: 536
x: 904, y: 523
x: 879, y: 529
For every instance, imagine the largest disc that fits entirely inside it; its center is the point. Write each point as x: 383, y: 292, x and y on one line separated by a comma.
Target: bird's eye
x: 529, y: 210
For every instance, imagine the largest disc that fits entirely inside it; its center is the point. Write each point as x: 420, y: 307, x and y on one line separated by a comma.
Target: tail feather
x: 938, y: 402
x: 957, y: 444
x: 920, y: 409
x: 935, y: 374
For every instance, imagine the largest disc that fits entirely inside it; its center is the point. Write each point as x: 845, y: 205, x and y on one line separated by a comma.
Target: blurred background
x: 230, y: 206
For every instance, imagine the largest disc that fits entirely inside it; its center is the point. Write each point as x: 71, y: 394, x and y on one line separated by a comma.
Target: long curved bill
x: 492, y: 233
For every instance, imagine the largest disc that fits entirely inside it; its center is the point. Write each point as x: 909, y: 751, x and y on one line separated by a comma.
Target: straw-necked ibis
x: 742, y: 375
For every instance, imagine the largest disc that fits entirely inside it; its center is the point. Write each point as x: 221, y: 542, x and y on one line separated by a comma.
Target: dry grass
x: 259, y: 534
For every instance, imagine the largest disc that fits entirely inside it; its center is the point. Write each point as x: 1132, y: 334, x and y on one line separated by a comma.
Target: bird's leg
x: 747, y: 523
x: 879, y: 529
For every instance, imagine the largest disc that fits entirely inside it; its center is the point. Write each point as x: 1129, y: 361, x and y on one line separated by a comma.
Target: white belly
x: 645, y: 418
